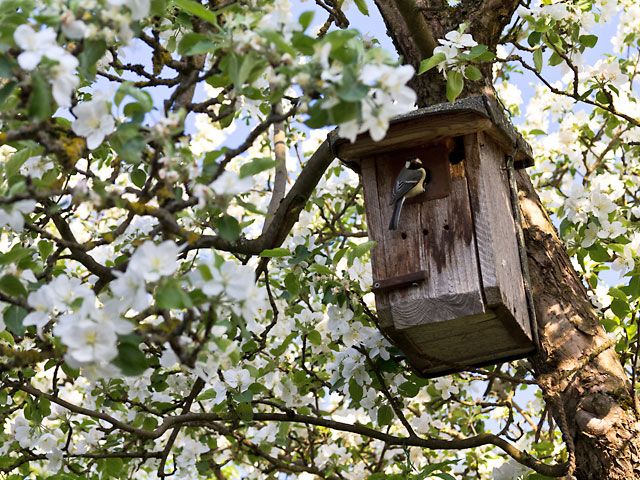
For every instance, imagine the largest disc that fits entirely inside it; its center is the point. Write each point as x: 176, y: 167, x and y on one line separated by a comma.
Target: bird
x: 411, y: 181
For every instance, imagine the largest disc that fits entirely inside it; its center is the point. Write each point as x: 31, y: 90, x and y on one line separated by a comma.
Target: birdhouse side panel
x: 501, y: 270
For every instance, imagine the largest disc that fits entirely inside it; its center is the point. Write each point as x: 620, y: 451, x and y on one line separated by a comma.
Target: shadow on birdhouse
x: 449, y: 282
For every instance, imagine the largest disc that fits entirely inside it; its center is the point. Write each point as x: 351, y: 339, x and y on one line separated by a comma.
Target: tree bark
x: 582, y: 378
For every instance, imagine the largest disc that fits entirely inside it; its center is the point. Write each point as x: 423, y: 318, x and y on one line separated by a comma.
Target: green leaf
x: 303, y: 42
x: 244, y: 412
x: 39, y: 107
x: 620, y: 308
x: 244, y: 397
x: 13, y: 317
x: 15, y: 162
x: 565, y: 227
x: 534, y: 38
x: 355, y: 390
x: 228, y: 228
x: 149, y: 423
x: 351, y: 90
x: 555, y: 59
x: 171, y: 296
x: 10, y: 285
x: 130, y: 359
x: 445, y: 476
x: 138, y: 177
x: 93, y: 51
x: 472, y: 73
x: 6, y: 67
x: 314, y: 337
x: 432, y: 468
x: 321, y: 269
x: 305, y: 19
x: 292, y: 284
x: 478, y: 50
x: 588, y: 40
x: 45, y: 248
x: 408, y: 389
x: 142, y: 97
x: 454, y: 85
x: 598, y: 253
x: 428, y: 63
x: 189, y: 41
x: 634, y: 287
x: 362, y: 6
x: 358, y: 251
x: 279, y: 41
x: 6, y: 91
x: 300, y: 255
x: 256, y: 166
x: 385, y: 415
x: 158, y: 8
x: 113, y: 468
x: 537, y: 59
x: 275, y: 252
x: 197, y: 9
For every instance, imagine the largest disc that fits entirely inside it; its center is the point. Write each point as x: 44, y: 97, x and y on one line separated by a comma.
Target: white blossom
x: 151, y: 261
x: 446, y: 386
x: 130, y: 288
x: 229, y: 183
x: 93, y: 121
x: 72, y: 27
x: 64, y: 79
x: 13, y: 214
x: 87, y: 341
x: 35, y: 45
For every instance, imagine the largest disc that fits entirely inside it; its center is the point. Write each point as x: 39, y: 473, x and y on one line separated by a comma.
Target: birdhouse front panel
x: 448, y: 277
x: 427, y: 268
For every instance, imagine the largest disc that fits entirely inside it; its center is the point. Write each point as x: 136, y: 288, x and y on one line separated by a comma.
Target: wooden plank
x: 439, y: 330
x: 495, y: 229
x: 423, y: 311
x: 402, y: 246
x: 375, y: 223
x: 410, y: 279
x: 415, y: 131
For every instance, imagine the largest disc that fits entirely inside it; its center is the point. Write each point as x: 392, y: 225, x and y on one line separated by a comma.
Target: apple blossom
x: 151, y: 262
x: 35, y: 45
x: 93, y: 121
x: 13, y: 214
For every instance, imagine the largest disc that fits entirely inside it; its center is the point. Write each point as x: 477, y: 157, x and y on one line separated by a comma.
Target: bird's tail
x: 395, y: 216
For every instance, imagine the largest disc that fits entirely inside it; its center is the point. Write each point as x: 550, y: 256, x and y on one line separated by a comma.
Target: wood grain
x: 461, y: 312
x: 495, y: 229
x: 415, y: 131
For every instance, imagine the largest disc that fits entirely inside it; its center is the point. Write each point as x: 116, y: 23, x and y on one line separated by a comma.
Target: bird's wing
x: 406, y: 180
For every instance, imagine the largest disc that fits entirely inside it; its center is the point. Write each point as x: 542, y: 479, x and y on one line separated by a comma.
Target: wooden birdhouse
x: 449, y: 284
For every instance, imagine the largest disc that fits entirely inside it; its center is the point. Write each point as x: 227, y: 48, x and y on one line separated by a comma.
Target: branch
x: 418, y: 28
x: 286, y: 215
x: 206, y: 419
x: 280, y: 179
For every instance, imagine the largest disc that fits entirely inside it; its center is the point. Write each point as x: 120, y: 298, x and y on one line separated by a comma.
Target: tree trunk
x: 583, y: 381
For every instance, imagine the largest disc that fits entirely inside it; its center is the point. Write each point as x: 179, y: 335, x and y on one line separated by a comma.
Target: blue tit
x: 410, y: 182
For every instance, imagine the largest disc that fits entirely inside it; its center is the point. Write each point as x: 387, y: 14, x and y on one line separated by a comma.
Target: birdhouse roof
x: 444, y: 120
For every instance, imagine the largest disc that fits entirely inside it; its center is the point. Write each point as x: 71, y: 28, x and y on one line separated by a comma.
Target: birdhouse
x: 449, y: 284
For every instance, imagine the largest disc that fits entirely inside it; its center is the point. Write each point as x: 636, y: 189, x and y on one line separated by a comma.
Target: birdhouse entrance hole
x: 449, y: 284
